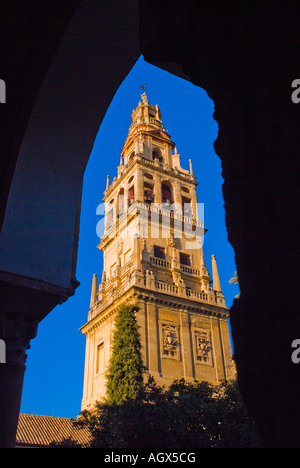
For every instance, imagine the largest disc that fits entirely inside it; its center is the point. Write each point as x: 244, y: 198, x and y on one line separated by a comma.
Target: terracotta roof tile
x: 39, y: 431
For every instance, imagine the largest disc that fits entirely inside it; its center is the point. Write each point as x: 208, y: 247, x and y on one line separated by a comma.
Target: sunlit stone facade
x: 152, y: 254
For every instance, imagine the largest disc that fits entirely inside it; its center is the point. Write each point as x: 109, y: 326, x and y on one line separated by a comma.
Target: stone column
x: 194, y: 204
x: 139, y: 185
x: 157, y: 189
x: 126, y: 193
x: 177, y: 195
x: 217, y: 344
x: 136, y: 258
x: 186, y: 347
x: 168, y: 153
x: 152, y: 345
x: 16, y: 332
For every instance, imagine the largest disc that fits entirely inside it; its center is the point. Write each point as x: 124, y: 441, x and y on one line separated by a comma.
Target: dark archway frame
x: 244, y: 54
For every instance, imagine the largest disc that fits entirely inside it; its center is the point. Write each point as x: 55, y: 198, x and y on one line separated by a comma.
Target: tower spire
x: 216, y: 279
x: 94, y: 292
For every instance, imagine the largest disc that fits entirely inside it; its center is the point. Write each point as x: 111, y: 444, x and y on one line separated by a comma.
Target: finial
x: 103, y: 280
x: 107, y: 182
x: 216, y: 279
x: 191, y: 168
x: 157, y: 112
x: 94, y: 291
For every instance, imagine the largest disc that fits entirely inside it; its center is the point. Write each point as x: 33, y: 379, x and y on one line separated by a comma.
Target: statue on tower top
x: 144, y: 98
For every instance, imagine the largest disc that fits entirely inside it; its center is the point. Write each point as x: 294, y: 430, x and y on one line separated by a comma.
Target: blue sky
x: 55, y: 365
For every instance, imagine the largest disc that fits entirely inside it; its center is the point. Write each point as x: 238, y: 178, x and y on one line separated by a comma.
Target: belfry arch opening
x: 167, y: 193
x: 157, y: 154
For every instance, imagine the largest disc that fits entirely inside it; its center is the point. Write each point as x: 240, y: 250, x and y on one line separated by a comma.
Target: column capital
x: 17, y: 331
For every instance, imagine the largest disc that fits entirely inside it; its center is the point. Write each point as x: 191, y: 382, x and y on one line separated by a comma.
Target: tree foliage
x: 185, y: 415
x: 145, y: 415
x: 66, y: 443
x: 125, y: 373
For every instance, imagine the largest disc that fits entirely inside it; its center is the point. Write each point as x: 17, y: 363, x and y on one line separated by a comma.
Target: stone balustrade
x: 114, y: 293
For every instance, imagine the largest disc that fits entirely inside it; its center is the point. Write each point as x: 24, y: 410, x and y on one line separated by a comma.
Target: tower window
x: 148, y: 193
x: 121, y: 203
x: 156, y: 154
x: 185, y: 259
x: 131, y: 195
x: 100, y: 358
x: 159, y: 252
x: 110, y: 217
x: 166, y: 194
x: 187, y: 206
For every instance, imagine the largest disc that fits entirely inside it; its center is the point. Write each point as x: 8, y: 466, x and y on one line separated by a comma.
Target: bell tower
x: 152, y: 254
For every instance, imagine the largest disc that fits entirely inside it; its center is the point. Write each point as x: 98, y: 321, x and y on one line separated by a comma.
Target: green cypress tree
x: 125, y: 373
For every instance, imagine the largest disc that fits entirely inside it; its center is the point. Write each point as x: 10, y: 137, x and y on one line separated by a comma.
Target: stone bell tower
x: 152, y: 254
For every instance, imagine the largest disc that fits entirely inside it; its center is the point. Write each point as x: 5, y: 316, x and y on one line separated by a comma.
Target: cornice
x: 155, y: 297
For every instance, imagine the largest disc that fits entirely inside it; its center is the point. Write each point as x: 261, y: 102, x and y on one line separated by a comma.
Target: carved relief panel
x: 202, y: 346
x: 169, y: 340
